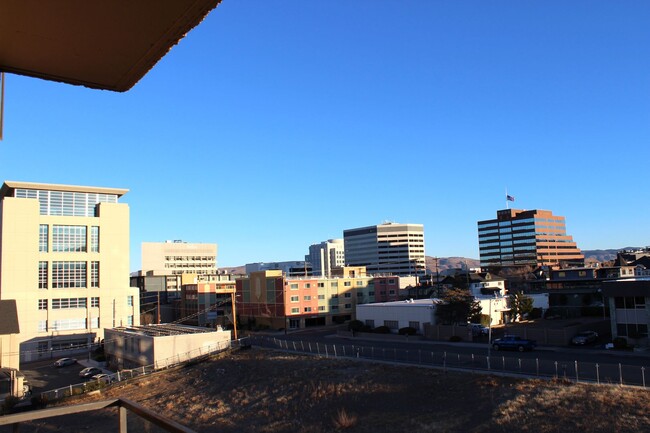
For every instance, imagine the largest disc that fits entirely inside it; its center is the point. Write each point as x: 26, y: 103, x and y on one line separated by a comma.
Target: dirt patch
x: 265, y: 391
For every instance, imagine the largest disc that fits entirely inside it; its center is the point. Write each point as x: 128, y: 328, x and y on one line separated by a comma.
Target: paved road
x: 582, y: 364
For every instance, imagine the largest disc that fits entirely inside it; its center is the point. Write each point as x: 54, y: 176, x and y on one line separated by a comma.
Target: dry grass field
x: 269, y: 392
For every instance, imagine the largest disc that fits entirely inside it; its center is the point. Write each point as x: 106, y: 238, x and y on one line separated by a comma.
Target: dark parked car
x: 64, y: 361
x: 89, y: 372
x: 584, y: 337
x: 513, y: 342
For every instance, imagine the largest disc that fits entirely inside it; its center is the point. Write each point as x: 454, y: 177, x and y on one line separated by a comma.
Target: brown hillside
x: 273, y: 392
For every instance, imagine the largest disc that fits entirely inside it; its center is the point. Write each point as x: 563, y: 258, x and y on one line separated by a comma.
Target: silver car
x: 584, y: 337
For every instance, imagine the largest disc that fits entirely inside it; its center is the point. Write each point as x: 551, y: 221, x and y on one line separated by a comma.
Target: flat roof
x: 10, y: 185
x: 164, y: 330
x: 106, y: 45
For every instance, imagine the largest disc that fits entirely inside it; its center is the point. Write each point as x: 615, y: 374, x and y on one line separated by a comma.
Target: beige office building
x: 178, y: 257
x: 64, y: 259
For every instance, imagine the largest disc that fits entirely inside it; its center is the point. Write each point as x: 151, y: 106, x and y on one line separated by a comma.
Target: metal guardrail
x: 128, y: 374
x: 124, y: 407
x: 580, y: 372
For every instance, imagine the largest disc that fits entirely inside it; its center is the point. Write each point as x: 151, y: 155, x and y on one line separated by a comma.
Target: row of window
x: 66, y: 303
x: 320, y: 308
x: 66, y: 203
x: 68, y: 275
x: 67, y: 239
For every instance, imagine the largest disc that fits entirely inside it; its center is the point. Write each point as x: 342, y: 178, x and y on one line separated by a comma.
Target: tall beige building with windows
x: 64, y: 259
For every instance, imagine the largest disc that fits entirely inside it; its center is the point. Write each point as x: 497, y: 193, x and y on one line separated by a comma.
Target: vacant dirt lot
x: 265, y: 391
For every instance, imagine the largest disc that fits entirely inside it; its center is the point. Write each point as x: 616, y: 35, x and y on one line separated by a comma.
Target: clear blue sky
x: 277, y: 124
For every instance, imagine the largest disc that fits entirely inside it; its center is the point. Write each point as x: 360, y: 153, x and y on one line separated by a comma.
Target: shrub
x: 343, y: 420
x: 536, y: 313
x: 381, y: 330
x: 620, y: 343
x: 355, y: 326
x: 455, y: 338
x: 408, y: 331
x: 9, y: 403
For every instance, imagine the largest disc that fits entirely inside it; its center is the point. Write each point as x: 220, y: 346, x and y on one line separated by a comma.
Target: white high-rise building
x: 389, y: 248
x: 326, y: 256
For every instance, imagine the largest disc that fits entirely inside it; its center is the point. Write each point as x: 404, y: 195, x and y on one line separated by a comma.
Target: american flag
x: 510, y: 197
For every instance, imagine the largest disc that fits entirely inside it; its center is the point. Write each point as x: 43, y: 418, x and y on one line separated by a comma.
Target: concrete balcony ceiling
x: 108, y: 44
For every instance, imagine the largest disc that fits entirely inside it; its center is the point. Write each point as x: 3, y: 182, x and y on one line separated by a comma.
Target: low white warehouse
x: 400, y: 314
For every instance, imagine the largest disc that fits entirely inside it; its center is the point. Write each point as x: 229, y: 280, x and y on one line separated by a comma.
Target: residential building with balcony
x: 527, y: 237
x: 64, y: 259
x: 389, y: 248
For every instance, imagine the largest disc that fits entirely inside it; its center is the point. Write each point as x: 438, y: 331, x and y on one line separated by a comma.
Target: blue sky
x: 277, y: 124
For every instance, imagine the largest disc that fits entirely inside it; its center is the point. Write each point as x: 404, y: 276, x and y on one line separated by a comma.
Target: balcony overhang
x: 106, y: 45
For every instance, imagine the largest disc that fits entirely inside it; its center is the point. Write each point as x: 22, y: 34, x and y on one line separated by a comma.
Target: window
x: 307, y: 309
x: 68, y: 274
x: 347, y: 284
x: 66, y: 239
x: 392, y: 324
x: 414, y: 325
x: 359, y: 283
x: 295, y: 298
x: 68, y: 324
x: 359, y: 294
x: 42, y: 304
x: 321, y: 284
x: 348, y: 306
x: 43, y: 346
x: 335, y: 308
x: 295, y: 310
x: 371, y: 293
x: 94, y: 302
x: 42, y: 275
x: 307, y: 298
x: 370, y: 322
x: 348, y: 295
x: 307, y: 286
x: 94, y: 322
x: 335, y: 296
x: 42, y: 326
x: 391, y: 281
x: 129, y: 302
x: 293, y: 286
x: 129, y: 320
x: 334, y: 284
x: 42, y: 238
x: 391, y: 292
x: 321, y: 296
x: 94, y: 239
x: 67, y: 303
x: 94, y: 274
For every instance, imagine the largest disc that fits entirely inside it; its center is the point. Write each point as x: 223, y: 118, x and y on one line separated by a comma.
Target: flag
x: 510, y: 198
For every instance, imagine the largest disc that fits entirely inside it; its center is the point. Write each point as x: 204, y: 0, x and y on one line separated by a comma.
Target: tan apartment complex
x: 271, y: 299
x: 64, y: 259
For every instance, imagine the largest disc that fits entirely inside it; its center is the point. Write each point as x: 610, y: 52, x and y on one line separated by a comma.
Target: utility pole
x: 158, y: 309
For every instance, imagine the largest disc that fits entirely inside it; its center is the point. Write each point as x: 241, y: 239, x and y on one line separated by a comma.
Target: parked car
x: 584, y: 337
x: 89, y: 372
x: 103, y: 377
x: 513, y: 342
x: 478, y: 329
x: 64, y: 361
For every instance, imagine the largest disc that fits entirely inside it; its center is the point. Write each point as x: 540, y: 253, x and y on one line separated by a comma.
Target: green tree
x: 457, y: 306
x: 520, y: 305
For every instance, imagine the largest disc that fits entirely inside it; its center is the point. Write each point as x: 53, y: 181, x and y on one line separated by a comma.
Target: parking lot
x: 43, y: 376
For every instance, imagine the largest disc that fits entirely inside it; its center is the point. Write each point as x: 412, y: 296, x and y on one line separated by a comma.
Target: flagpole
x: 507, y: 204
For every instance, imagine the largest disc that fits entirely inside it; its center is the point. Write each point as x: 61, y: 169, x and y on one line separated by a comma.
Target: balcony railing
x: 123, y: 408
